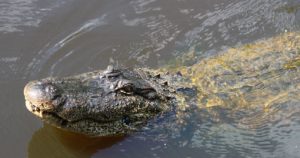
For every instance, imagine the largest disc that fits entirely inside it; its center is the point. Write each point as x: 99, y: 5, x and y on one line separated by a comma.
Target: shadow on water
x: 52, y: 142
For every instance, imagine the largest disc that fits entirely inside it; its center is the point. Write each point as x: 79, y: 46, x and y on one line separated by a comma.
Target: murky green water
x: 60, y: 38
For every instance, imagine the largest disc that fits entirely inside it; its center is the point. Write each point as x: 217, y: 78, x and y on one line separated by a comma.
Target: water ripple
x: 15, y: 14
x: 140, y: 6
x: 50, y: 49
x: 239, y: 22
x: 258, y: 132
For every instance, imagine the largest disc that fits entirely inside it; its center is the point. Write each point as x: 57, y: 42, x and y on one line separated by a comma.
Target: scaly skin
x: 120, y: 101
x: 99, y: 103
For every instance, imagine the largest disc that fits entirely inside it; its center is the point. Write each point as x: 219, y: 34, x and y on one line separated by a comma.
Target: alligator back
x: 259, y: 74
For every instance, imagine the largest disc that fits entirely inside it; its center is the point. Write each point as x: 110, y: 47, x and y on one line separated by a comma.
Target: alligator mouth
x: 49, y: 117
x: 58, y: 121
x: 33, y: 109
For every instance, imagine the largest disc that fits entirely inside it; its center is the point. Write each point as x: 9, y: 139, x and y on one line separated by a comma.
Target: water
x: 61, y: 38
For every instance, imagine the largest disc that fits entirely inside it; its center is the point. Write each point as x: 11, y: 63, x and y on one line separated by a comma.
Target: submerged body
x: 120, y: 101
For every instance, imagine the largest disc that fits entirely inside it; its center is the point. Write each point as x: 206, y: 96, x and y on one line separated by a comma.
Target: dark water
x: 59, y: 38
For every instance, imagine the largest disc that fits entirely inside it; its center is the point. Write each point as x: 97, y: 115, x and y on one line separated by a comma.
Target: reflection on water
x: 242, y: 133
x: 51, y: 142
x: 62, y: 37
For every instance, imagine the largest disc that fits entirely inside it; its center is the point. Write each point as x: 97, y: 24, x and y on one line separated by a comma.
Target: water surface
x: 64, y: 37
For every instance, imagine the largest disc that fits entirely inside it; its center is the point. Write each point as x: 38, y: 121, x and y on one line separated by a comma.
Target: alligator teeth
x: 35, y: 108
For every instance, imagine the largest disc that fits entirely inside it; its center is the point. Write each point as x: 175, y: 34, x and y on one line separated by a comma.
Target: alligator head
x: 99, y: 103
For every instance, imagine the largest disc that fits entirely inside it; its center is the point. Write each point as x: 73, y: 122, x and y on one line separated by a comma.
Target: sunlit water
x: 60, y: 38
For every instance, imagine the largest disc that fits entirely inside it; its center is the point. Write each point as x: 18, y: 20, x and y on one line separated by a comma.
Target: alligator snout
x: 40, y: 94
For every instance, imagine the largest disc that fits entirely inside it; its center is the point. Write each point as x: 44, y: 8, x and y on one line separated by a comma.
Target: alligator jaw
x: 53, y: 119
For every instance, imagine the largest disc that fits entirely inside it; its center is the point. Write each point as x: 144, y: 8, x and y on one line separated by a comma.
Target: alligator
x: 119, y: 101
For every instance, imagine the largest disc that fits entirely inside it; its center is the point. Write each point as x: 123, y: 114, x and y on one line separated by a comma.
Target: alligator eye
x: 127, y: 89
